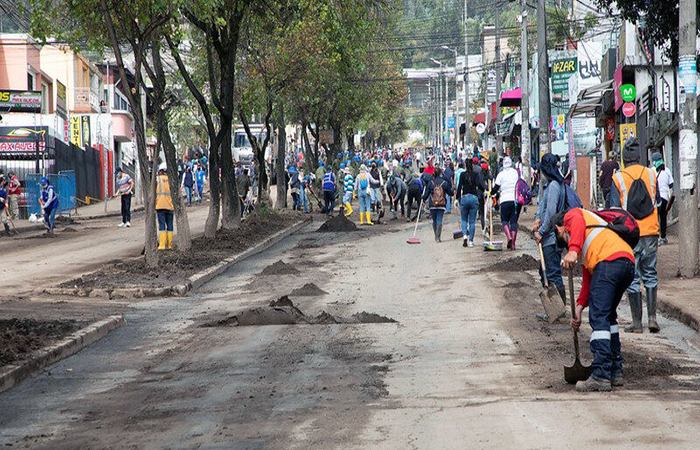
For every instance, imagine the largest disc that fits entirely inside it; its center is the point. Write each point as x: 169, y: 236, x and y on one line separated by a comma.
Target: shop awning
x: 595, y: 91
x: 590, y: 99
x: 479, y: 118
x: 511, y: 98
x: 514, y: 119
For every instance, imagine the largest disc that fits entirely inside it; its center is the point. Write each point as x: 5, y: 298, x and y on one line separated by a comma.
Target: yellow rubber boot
x: 169, y: 243
x: 369, y: 218
x: 162, y: 240
x: 362, y: 218
x: 348, y: 209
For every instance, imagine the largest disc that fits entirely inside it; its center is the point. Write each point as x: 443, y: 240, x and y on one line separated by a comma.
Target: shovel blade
x: 577, y: 372
x: 552, y: 303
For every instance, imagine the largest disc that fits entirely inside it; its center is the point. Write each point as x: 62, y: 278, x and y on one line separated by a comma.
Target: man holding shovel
x: 609, y: 270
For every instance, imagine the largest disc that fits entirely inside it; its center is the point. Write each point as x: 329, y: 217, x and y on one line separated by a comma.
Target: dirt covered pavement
x: 464, y: 365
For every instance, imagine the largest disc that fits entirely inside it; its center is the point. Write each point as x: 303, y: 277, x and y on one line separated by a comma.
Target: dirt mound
x: 279, y: 268
x: 283, y: 312
x: 70, y: 230
x: 365, y: 317
x: 308, y: 290
x: 338, y: 223
x: 520, y: 263
x: 20, y: 337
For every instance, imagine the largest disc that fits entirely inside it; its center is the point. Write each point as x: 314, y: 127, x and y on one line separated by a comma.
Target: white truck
x: 243, y: 149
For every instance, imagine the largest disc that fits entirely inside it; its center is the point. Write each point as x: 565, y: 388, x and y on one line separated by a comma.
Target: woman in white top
x: 506, y: 182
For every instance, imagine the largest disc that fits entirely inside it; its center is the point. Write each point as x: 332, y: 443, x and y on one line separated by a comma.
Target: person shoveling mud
x: 284, y: 312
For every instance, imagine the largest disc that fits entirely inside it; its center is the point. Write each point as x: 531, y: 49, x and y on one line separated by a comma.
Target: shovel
x: 550, y: 298
x: 577, y: 372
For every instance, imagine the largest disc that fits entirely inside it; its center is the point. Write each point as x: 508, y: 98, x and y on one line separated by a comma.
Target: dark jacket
x: 470, y: 182
x: 427, y: 195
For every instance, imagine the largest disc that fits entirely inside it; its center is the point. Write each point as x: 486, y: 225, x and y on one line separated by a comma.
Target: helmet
x: 162, y: 167
x: 44, y: 181
x: 342, y: 165
x: 321, y: 163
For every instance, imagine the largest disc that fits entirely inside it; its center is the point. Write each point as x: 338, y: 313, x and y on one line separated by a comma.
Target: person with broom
x: 506, y: 182
x: 608, y: 263
x: 436, y: 194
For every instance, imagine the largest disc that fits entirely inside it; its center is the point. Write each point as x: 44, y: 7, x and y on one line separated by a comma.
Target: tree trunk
x: 311, y: 162
x: 212, y: 223
x: 231, y: 208
x: 281, y: 201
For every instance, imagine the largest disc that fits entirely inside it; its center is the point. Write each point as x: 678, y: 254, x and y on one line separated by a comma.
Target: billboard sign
x: 22, y: 140
x: 20, y: 101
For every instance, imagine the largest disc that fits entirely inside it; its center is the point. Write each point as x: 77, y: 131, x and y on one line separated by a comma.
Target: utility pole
x: 499, y: 111
x: 525, y: 97
x: 543, y: 78
x: 447, y: 102
x: 467, y: 129
x: 688, y: 205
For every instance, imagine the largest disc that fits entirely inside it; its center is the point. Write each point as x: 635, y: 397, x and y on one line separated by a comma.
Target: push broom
x: 414, y: 239
x: 491, y: 245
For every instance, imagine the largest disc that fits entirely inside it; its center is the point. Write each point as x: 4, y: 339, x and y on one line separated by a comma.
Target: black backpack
x: 639, y: 202
x: 621, y: 222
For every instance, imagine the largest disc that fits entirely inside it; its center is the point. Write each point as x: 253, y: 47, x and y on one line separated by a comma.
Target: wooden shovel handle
x: 573, y: 308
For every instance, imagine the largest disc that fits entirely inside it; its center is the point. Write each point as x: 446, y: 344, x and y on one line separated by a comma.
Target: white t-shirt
x: 665, y: 180
x: 507, y: 179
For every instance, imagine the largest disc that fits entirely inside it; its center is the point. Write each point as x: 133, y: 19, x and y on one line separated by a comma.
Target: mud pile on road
x: 279, y: 268
x: 338, y: 223
x: 284, y: 312
x: 308, y: 290
x: 20, y: 337
x: 518, y: 263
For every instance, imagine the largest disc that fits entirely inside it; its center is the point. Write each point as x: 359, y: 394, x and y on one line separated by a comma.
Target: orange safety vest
x: 648, y: 226
x: 600, y: 243
x: 163, y: 198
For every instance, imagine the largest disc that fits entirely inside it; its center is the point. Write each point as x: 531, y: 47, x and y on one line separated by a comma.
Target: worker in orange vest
x: 636, y: 190
x: 164, y: 210
x: 609, y: 269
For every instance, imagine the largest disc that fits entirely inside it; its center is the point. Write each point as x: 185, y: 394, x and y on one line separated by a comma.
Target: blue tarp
x: 63, y: 183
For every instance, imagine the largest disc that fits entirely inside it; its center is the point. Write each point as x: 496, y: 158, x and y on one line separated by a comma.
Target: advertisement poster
x: 76, y: 131
x: 85, y: 122
x: 558, y: 127
x: 627, y: 130
x: 586, y: 136
x: 20, y: 101
x: 22, y: 140
x: 61, y: 108
x: 562, y: 70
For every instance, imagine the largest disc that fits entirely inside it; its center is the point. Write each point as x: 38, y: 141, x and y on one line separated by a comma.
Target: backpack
x: 639, y: 202
x: 570, y: 199
x: 364, y: 183
x: 621, y: 222
x: 438, y: 196
x: 523, y: 195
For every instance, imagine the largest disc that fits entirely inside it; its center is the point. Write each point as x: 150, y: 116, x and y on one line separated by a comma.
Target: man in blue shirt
x: 4, y: 205
x: 49, y: 204
x: 329, y: 191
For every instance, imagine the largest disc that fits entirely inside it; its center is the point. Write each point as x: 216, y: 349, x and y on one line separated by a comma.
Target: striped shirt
x: 348, y: 182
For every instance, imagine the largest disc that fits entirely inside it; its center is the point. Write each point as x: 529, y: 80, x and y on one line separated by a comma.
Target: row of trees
x: 325, y: 64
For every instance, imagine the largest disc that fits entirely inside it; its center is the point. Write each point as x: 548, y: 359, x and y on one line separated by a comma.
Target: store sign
x: 628, y: 92
x: 627, y: 130
x: 61, y: 107
x: 502, y: 128
x: 20, y: 101
x: 610, y: 129
x: 629, y: 109
x: 22, y: 140
x: 76, y: 136
x: 85, y: 123
x: 562, y: 70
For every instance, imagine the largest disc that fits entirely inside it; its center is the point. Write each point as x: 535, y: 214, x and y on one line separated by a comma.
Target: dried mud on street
x: 19, y: 338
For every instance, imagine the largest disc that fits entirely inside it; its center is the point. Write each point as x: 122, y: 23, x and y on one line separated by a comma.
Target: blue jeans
x: 448, y: 205
x: 200, y: 189
x: 552, y: 264
x: 375, y: 195
x: 50, y: 218
x: 165, y: 219
x: 365, y: 201
x: 188, y: 191
x: 304, y: 199
x: 645, y: 264
x: 347, y: 197
x: 609, y: 281
x: 468, y: 206
x: 437, y: 215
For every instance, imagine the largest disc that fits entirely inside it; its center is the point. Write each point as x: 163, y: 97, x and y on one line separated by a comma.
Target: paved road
x: 466, y: 366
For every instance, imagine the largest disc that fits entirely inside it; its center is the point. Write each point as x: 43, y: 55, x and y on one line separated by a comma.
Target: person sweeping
x: 164, y: 210
x: 609, y: 270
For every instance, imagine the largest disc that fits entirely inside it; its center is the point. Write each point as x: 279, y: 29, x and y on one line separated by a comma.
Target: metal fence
x: 64, y: 185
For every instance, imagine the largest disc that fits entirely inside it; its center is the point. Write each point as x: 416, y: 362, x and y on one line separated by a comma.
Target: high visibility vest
x: 163, y: 198
x: 648, y: 226
x: 600, y: 242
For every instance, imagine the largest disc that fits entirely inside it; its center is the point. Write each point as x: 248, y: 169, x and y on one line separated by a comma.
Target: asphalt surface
x: 466, y: 366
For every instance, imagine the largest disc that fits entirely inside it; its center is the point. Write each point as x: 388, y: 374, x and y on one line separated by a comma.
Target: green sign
x: 629, y: 93
x: 562, y: 70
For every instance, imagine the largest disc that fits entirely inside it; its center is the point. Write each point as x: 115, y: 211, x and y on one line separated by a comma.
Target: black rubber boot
x: 7, y: 230
x: 651, y: 310
x: 636, y: 308
x: 439, y: 233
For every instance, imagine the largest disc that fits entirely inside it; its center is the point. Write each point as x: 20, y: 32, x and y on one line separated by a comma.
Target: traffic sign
x: 480, y: 128
x: 628, y: 109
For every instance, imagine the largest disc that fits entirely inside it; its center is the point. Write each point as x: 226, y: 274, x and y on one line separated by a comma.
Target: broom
x: 491, y: 245
x: 414, y: 239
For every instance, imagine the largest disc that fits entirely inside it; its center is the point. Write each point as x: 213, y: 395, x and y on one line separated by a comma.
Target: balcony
x: 86, y: 100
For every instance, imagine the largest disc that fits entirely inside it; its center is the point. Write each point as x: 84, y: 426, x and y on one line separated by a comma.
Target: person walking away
x: 243, y: 187
x: 348, y: 189
x: 200, y: 177
x: 566, y: 170
x: 164, y: 209
x: 125, y: 189
x: 294, y: 187
x: 4, y: 205
x: 605, y: 177
x: 608, y: 263
x: 485, y: 178
x: 14, y: 191
x: 319, y: 176
x: 414, y: 187
x: 188, y: 184
x: 469, y: 188
x: 665, y: 181
x: 329, y: 191
x: 396, y: 190
x: 449, y: 176
x: 506, y: 181
x: 303, y: 190
x: 436, y: 194
x: 635, y: 189
x: 375, y: 185
x: 49, y: 204
x: 551, y: 203
x: 364, y: 194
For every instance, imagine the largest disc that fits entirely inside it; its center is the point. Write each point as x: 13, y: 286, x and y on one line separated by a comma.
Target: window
x: 106, y: 97
x: 44, y: 98
x: 30, y: 81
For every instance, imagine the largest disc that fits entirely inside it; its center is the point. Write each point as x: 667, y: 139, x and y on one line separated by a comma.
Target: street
x: 466, y: 365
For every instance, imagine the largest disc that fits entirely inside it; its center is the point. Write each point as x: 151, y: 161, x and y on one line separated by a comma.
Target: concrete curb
x: 672, y: 311
x: 108, y: 215
x: 195, y: 281
x: 70, y: 345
